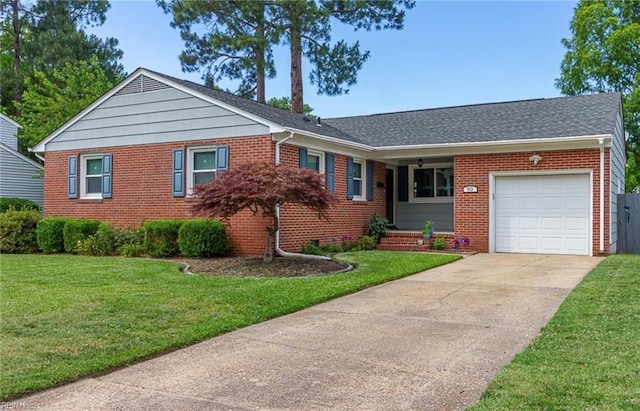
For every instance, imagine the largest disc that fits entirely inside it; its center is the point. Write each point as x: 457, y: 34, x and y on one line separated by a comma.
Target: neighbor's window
x: 91, y: 171
x: 430, y: 183
x: 202, y: 166
x: 358, y: 192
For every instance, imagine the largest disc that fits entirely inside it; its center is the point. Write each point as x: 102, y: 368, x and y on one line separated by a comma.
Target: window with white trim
x: 432, y: 183
x: 315, y: 161
x: 358, y: 180
x: 201, y: 166
x: 91, y: 176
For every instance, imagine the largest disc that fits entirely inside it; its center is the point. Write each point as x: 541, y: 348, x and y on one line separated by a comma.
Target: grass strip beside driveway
x: 66, y: 317
x: 588, y: 356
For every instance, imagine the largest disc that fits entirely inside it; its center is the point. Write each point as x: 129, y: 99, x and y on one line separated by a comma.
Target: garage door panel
x: 552, y: 223
x: 542, y: 214
x: 528, y: 223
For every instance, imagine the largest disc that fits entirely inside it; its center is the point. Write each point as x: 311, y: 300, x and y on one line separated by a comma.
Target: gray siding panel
x: 160, y: 116
x: 411, y: 216
x: 617, y: 178
x: 19, y: 178
x: 8, y: 133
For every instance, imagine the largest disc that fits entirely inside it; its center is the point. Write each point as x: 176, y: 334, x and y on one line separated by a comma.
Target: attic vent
x: 141, y: 84
x: 149, y: 84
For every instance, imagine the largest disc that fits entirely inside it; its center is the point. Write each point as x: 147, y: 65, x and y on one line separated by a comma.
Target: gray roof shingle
x: 528, y: 119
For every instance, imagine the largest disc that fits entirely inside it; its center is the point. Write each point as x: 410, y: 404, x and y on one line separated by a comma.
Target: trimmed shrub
x: 367, y: 242
x: 439, y: 243
x: 50, y: 234
x: 76, y: 230
x: 131, y: 250
x: 203, y: 237
x: 103, y: 242
x: 17, y: 204
x: 312, y: 248
x: 161, y: 237
x: 18, y: 231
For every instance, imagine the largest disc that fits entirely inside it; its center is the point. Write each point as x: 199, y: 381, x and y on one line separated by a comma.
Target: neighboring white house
x: 20, y: 177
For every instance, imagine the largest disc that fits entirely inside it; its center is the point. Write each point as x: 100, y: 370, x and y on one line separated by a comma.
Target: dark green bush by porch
x: 18, y: 231
x: 17, y: 203
x: 377, y: 227
x: 203, y: 237
x: 78, y: 230
x: 161, y: 237
x: 50, y: 234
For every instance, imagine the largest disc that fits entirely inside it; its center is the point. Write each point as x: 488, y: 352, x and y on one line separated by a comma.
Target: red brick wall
x: 142, y: 191
x: 142, y: 188
x: 471, y: 211
x: 299, y: 226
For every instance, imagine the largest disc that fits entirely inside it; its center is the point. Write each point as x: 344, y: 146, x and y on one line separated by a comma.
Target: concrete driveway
x: 430, y: 341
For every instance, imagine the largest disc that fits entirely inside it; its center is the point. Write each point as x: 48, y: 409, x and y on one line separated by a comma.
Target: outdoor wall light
x: 535, y: 159
x: 420, y: 162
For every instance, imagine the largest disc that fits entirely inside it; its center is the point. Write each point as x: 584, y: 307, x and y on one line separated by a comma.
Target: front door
x: 389, y: 189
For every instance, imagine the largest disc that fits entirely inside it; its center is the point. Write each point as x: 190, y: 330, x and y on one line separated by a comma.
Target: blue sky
x: 449, y: 53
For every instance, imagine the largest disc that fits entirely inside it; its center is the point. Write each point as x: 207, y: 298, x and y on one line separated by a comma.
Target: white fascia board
x: 20, y: 156
x: 332, y: 140
x: 558, y: 143
x: 273, y: 127
x: 10, y: 120
x: 41, y: 146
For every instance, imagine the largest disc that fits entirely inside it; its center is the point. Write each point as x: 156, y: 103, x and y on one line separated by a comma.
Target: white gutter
x: 35, y: 154
x: 279, y: 250
x: 601, y: 143
x: 494, y: 143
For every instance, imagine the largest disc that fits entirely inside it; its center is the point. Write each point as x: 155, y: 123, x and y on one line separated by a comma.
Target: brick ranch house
x: 534, y: 176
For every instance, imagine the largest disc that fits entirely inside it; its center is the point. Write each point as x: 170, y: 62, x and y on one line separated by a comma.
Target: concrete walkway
x: 432, y: 341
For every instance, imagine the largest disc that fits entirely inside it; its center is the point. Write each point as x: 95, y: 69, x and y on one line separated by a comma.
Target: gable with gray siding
x: 20, y: 177
x: 155, y: 114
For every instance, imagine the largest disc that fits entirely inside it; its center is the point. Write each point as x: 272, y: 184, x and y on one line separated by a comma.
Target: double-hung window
x: 358, y: 178
x: 314, y: 160
x: 201, y: 166
x: 95, y: 176
x: 431, y: 183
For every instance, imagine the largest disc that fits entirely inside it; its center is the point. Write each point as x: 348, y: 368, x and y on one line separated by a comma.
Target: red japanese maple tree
x: 261, y: 187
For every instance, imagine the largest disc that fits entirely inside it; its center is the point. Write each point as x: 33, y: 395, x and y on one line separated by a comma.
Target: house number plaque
x: 470, y: 189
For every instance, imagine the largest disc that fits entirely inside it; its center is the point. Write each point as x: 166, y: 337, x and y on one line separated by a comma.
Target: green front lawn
x: 65, y: 317
x: 588, y: 356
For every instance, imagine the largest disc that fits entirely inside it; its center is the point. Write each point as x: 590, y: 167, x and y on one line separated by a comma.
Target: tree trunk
x: 296, y: 58
x: 271, y: 233
x: 260, y: 54
x: 17, y: 88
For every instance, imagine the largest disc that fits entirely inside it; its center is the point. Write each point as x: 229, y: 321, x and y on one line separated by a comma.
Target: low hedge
x: 18, y: 231
x: 17, y: 204
x: 161, y: 238
x: 203, y: 237
x: 78, y: 230
x: 50, y: 234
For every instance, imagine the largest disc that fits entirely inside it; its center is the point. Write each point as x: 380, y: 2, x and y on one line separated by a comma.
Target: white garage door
x: 542, y: 214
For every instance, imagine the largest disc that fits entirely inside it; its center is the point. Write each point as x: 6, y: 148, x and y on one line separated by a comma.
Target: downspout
x: 36, y: 154
x: 601, y: 143
x: 279, y: 250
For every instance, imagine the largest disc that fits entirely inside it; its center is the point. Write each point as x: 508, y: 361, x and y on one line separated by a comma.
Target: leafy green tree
x: 50, y: 102
x: 603, y: 56
x: 285, y: 104
x: 237, y: 44
x: 43, y: 35
x: 241, y: 36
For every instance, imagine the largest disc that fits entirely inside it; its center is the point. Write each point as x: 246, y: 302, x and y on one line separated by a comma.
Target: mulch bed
x: 256, y: 267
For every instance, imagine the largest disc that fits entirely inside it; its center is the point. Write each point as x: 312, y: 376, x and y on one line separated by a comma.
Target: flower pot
x: 420, y: 241
x: 427, y: 236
